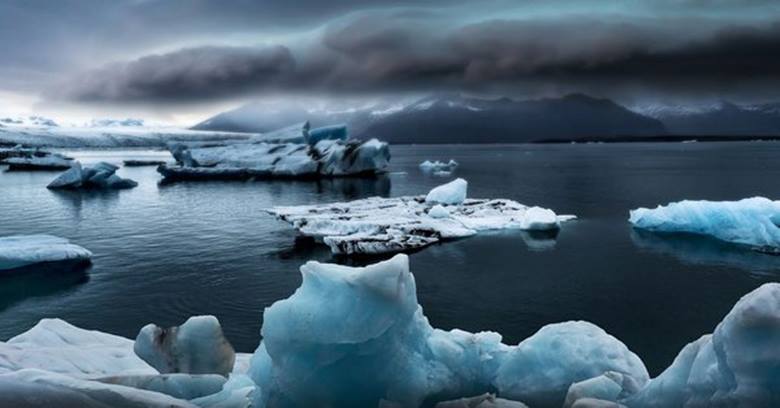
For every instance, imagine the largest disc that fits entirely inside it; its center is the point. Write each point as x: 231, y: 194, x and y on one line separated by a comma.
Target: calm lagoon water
x: 165, y: 252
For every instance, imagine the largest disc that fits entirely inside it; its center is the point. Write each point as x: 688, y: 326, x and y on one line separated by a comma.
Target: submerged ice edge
x: 358, y: 337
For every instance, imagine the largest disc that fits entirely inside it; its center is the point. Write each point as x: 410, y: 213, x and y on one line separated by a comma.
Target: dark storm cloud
x: 387, y: 52
x: 192, y: 73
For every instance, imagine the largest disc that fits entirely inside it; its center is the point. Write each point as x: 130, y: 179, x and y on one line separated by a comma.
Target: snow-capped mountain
x: 722, y: 119
x: 448, y: 118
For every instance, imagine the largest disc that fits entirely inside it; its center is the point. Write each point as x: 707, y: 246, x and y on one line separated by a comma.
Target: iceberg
x: 452, y: 193
x: 438, y: 168
x: 31, y: 388
x: 196, y: 347
x: 56, y: 346
x: 344, y: 322
x: 99, y: 176
x: 183, y: 386
x: 326, y: 158
x: 751, y: 222
x: 377, y: 225
x: 17, y: 251
x: 540, y: 370
x: 57, y: 364
x: 20, y: 158
x: 737, y: 365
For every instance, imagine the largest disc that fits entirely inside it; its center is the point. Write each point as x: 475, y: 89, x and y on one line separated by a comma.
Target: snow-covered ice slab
x: 752, y: 221
x: 386, y: 225
x: 17, y: 251
x: 49, y: 162
x: 56, y: 346
x: 326, y: 158
x: 32, y: 388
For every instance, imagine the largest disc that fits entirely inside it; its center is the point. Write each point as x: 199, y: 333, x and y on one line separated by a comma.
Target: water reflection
x: 350, y: 188
x: 702, y: 250
x: 540, y: 240
x: 357, y: 187
x: 40, y: 280
x: 75, y: 199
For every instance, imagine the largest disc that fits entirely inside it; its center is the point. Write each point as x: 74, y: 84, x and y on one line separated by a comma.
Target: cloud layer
x: 132, y: 51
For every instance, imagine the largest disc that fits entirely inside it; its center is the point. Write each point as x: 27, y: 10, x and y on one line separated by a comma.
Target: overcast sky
x: 183, y: 59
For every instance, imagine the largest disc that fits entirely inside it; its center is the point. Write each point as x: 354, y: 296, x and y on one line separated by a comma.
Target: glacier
x: 105, y: 135
x: 357, y: 337
x: 377, y: 225
x: 17, y: 251
x: 751, y: 222
x: 99, y: 176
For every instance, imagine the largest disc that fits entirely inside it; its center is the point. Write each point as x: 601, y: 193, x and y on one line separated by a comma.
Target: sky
x: 183, y: 60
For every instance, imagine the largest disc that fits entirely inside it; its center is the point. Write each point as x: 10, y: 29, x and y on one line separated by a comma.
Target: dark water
x: 163, y: 253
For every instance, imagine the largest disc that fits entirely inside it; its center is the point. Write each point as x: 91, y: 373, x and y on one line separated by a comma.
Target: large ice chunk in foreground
x: 196, y: 347
x: 54, y: 345
x: 17, y: 251
x: 350, y: 337
x: 752, y: 221
x: 738, y: 365
x: 541, y: 368
x: 31, y: 388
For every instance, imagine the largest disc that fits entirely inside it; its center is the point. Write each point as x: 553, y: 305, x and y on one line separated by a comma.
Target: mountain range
x: 447, y: 118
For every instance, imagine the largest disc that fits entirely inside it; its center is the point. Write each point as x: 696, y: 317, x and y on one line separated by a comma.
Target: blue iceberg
x: 751, y: 222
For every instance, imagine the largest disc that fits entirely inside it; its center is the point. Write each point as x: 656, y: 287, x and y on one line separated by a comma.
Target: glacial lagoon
x: 164, y: 252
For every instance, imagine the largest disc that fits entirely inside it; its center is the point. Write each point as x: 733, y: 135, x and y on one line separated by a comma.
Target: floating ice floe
x: 17, y: 251
x: 325, y: 153
x: 438, y: 168
x: 752, y: 222
x: 99, y: 176
x: 20, y: 158
x: 387, y: 225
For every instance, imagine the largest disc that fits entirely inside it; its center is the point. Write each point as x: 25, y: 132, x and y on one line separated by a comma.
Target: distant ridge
x: 447, y: 118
